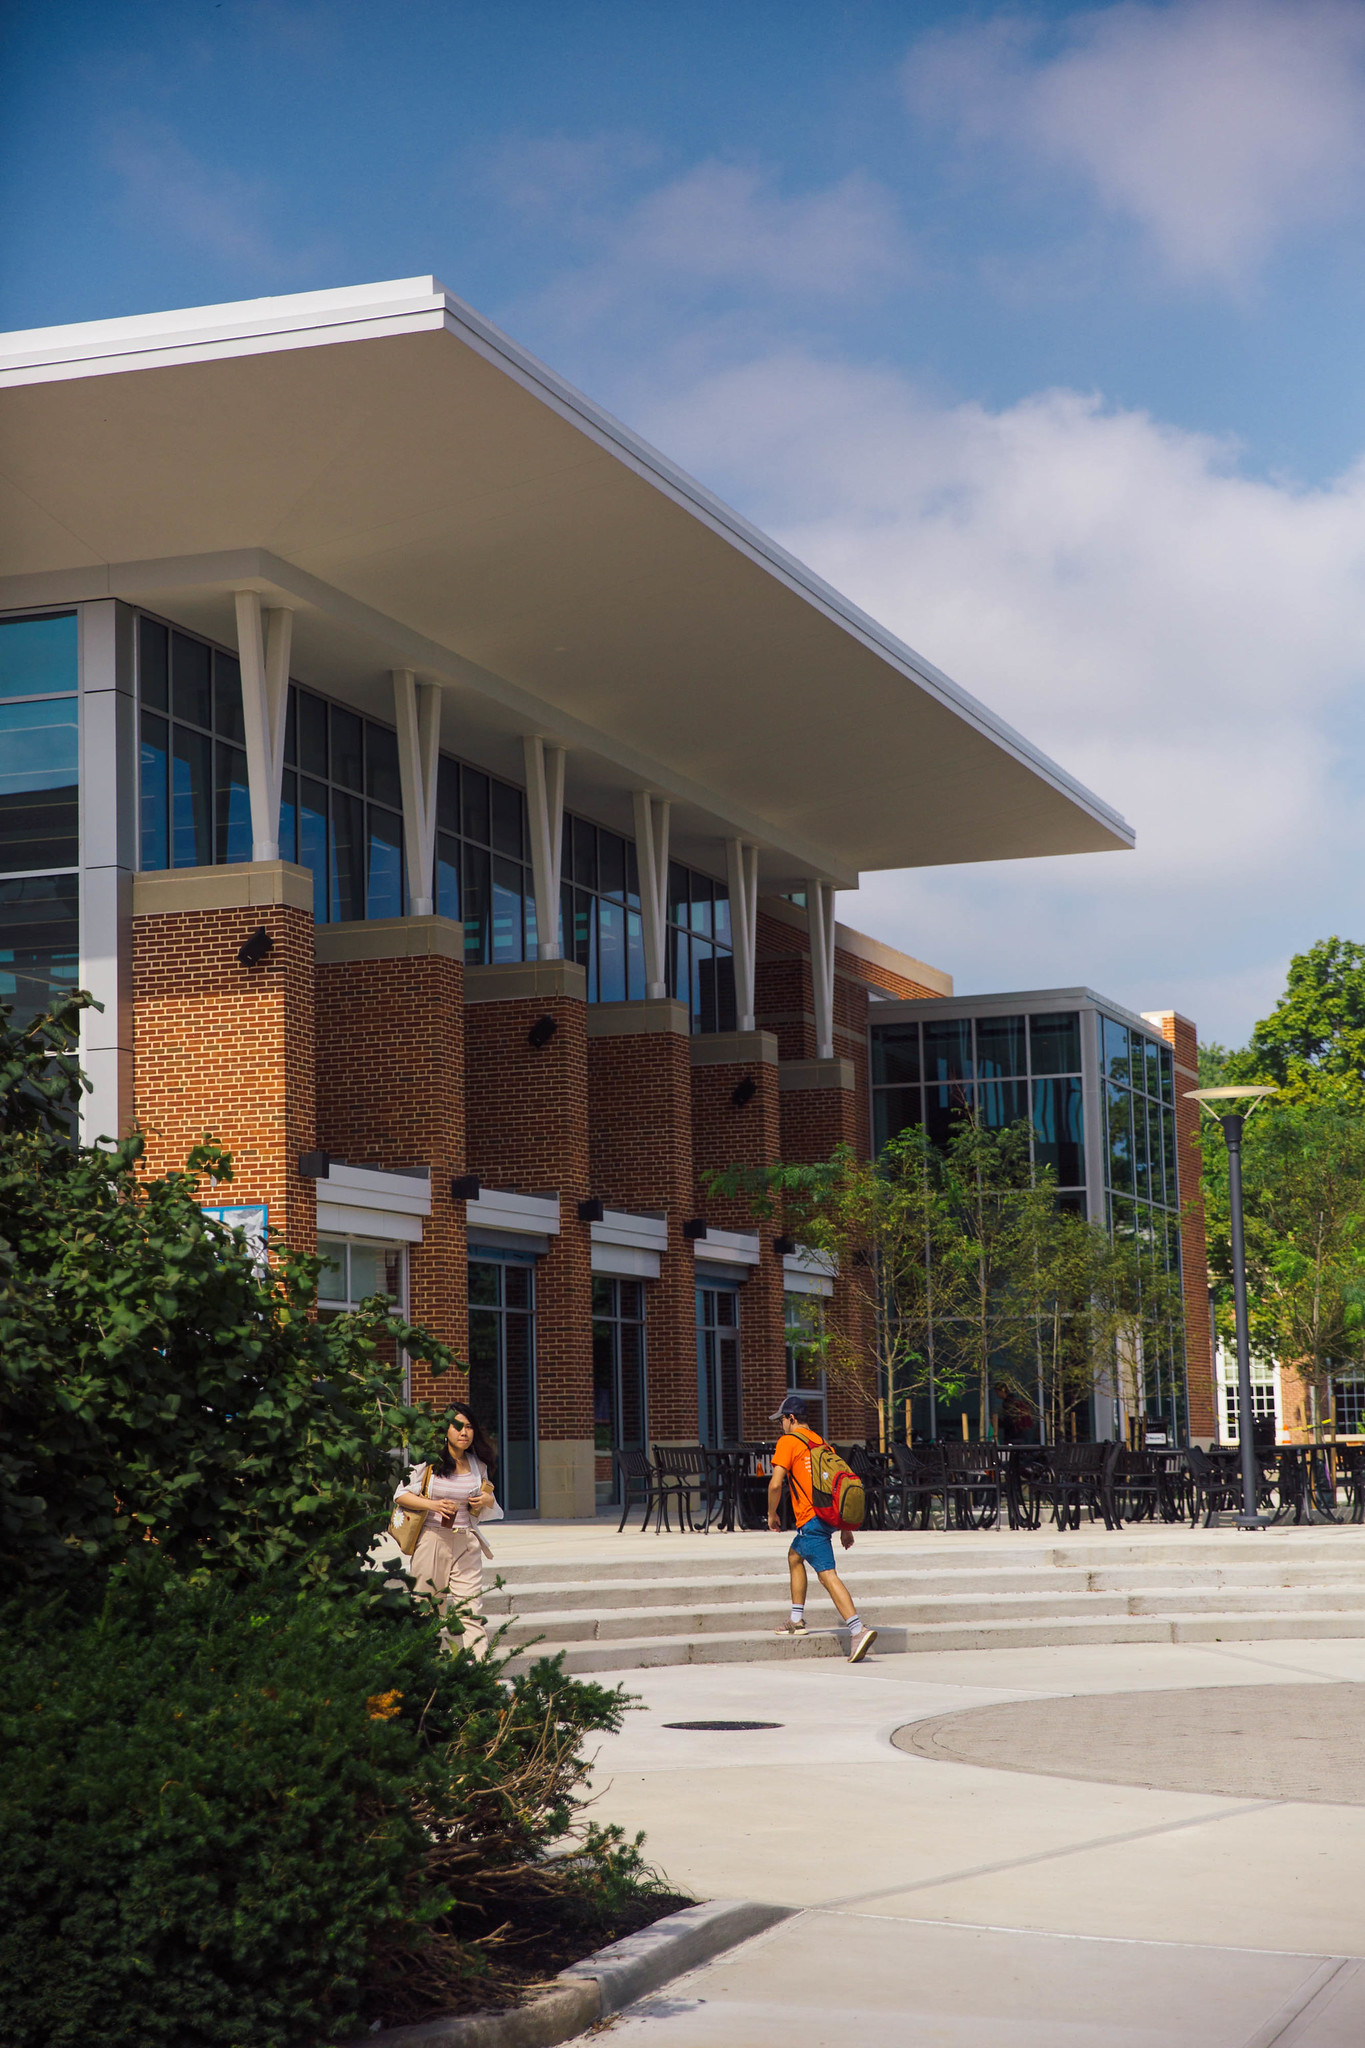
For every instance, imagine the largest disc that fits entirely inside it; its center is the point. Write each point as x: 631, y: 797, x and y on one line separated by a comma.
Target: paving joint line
x: 1170, y: 1827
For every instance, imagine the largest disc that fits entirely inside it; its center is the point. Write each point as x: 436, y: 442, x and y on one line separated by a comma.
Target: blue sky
x: 1036, y: 329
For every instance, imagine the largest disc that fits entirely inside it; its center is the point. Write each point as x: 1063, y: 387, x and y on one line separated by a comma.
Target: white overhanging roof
x: 425, y: 494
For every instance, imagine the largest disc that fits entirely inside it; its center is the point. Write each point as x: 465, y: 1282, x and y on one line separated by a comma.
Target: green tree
x: 1312, y: 1045
x: 157, y: 1385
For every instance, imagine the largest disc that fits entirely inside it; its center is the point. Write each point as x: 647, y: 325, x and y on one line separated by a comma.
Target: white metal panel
x: 730, y: 1247
x: 499, y: 1209
x: 347, y: 1221
x: 620, y: 1261
x: 622, y: 1227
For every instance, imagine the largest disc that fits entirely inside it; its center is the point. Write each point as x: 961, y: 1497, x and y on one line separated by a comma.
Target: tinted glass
x: 154, y: 810
x: 943, y: 1109
x: 191, y: 798
x: 383, y: 782
x: 1114, y: 1049
x: 312, y: 734
x: 476, y: 886
x: 1167, y: 1075
x: 313, y: 841
x: 227, y: 698
x: 383, y: 863
x: 39, y: 755
x: 893, y: 1111
x: 895, y: 1052
x: 39, y: 943
x: 474, y: 803
x: 38, y: 657
x: 291, y: 728
x: 999, y: 1047
x: 720, y: 916
x: 1172, y: 1186
x: 153, y: 665
x: 191, y: 680
x: 347, y: 891
x: 584, y: 837
x: 507, y: 911
x: 1001, y: 1103
x: 1142, y: 1176
x: 1058, y: 1130
x: 611, y: 951
x: 1055, y: 1042
x: 635, y: 957
x: 447, y: 796
x: 611, y: 866
x: 948, y: 1049
x: 1153, y: 1052
x: 289, y: 815
x: 447, y: 876
x: 348, y: 749
x: 232, y: 805
x: 701, y: 892
x: 506, y: 820
x: 1120, y: 1140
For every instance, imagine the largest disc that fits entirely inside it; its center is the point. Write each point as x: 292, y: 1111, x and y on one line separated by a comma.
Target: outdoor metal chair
x: 919, y: 1477
x: 1352, y: 1461
x: 1217, y: 1485
x: 635, y: 1475
x: 1073, y: 1480
x: 871, y: 1467
x: 680, y: 1474
x: 972, y: 1481
x: 1132, y: 1481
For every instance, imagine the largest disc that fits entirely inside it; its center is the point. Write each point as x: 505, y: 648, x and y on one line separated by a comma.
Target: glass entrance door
x: 720, y: 1413
x: 618, y: 1376
x: 502, y: 1370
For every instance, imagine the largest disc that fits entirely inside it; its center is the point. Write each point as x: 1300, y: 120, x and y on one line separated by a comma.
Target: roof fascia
x: 414, y: 305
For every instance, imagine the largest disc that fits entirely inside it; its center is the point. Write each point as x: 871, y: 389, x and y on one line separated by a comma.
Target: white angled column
x: 545, y: 815
x: 741, y: 865
x: 263, y: 642
x: 820, y: 919
x: 651, y: 857
x: 417, y: 714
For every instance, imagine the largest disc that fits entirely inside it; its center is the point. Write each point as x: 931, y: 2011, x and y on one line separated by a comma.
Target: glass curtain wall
x: 1141, y: 1182
x: 341, y: 815
x: 39, y: 812
x: 618, y: 1375
x: 1000, y: 1069
x: 502, y: 1368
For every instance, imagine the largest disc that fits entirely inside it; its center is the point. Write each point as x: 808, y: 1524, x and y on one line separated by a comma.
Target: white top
x: 461, y: 1487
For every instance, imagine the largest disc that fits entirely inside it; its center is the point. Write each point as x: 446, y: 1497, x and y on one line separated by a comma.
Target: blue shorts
x: 813, y: 1543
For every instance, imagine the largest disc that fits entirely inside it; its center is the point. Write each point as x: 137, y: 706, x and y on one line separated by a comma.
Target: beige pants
x: 449, y: 1563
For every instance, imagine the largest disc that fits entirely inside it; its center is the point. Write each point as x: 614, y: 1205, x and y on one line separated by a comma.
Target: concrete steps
x: 627, y: 1612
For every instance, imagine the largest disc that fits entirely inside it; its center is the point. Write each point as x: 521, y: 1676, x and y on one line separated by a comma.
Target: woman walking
x: 455, y: 1492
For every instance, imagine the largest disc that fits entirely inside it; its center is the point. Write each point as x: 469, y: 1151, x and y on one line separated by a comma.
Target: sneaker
x: 862, y: 1643
x: 791, y: 1628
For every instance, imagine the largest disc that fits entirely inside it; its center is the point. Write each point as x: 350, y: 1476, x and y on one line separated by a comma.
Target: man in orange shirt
x: 812, y: 1544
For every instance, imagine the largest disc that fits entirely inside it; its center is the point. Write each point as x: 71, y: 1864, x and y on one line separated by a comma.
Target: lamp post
x: 1233, y: 1122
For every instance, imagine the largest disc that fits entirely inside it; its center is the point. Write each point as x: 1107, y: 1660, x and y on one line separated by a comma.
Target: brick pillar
x: 1183, y: 1037
x: 526, y: 1124
x: 726, y: 1135
x: 822, y: 1106
x: 224, y: 1049
x: 640, y: 1127
x: 390, y: 1035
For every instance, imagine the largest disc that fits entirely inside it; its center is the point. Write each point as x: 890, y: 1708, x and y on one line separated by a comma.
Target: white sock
x: 798, y: 1613
x: 854, y: 1624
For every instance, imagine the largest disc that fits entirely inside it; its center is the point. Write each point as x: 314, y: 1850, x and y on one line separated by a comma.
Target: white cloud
x: 721, y: 231
x: 1188, y: 640
x: 1219, y: 126
x: 182, y: 199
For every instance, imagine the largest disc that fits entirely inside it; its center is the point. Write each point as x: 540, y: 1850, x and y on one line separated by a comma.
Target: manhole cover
x: 723, y: 1726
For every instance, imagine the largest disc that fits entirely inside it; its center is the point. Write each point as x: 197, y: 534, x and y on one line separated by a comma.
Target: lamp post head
x: 1208, y: 1098
x: 1231, y: 1107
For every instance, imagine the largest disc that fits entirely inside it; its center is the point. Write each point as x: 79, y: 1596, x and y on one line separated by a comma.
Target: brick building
x: 446, y: 797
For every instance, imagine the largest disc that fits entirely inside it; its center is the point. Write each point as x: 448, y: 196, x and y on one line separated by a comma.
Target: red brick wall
x: 390, y: 1090
x: 722, y: 1136
x: 526, y: 1129
x: 228, y: 1050
x: 1181, y: 1034
x: 640, y: 1128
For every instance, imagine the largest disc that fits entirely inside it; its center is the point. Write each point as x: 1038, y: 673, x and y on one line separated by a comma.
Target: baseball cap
x: 791, y: 1406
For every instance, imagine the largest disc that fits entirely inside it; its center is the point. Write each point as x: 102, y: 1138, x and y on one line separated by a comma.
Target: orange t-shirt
x: 792, y: 1456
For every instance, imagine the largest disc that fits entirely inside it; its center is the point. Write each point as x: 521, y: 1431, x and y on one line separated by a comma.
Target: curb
x: 602, y: 1983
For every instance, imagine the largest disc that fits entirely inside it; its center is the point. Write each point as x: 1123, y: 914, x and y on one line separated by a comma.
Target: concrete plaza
x: 941, y: 1903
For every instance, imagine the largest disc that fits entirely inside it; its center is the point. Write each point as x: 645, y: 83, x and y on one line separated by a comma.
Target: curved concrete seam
x: 603, y: 1983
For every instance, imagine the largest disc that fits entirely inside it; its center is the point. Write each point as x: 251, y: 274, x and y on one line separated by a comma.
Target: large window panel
x: 383, y: 863
x: 191, y: 798
x: 347, y: 894
x: 1001, y: 1103
x: 893, y: 1111
x: 192, y: 680
x: 895, y: 1053
x: 1000, y: 1050
x: 153, y: 791
x: 313, y: 841
x: 1120, y: 1140
x: 39, y: 657
x: 1055, y: 1042
x: 1059, y: 1129
x: 39, y: 773
x: 39, y: 943
x: 232, y: 805
x: 948, y: 1049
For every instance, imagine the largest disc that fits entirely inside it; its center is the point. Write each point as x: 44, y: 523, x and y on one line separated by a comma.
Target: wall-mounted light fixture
x: 744, y: 1092
x: 694, y: 1228
x: 465, y: 1187
x: 592, y: 1211
x: 785, y: 1247
x: 258, y: 947
x: 315, y: 1165
x: 541, y: 1032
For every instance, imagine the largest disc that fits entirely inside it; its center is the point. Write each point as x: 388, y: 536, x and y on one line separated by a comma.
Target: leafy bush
x: 255, y: 1817
x: 155, y: 1385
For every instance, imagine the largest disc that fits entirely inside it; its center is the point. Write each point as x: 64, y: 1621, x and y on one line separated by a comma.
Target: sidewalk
x: 949, y: 1903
